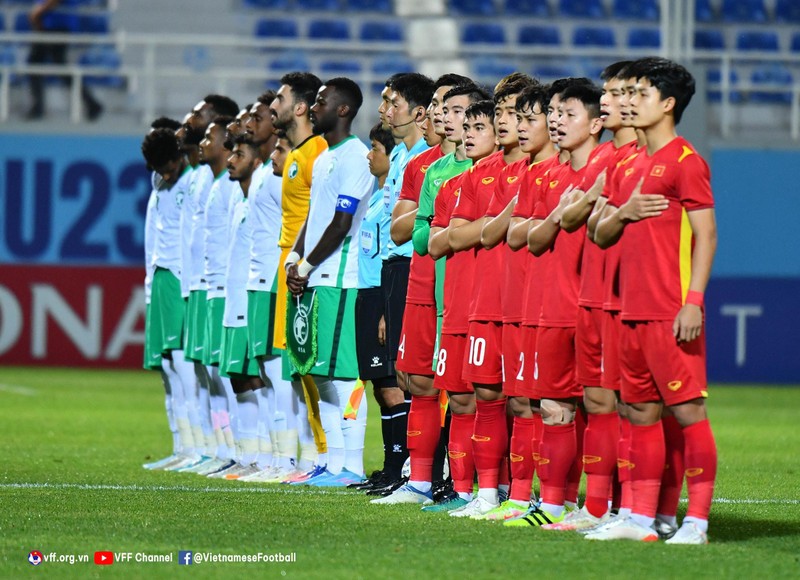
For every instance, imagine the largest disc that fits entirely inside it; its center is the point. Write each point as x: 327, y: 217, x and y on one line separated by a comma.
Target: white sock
x: 330, y: 414
x: 552, y: 509
x: 701, y: 524
x: 466, y: 496
x: 354, y: 430
x: 423, y: 486
x: 173, y: 427
x: 182, y: 426
x: 308, y: 448
x: 284, y: 418
x: 645, y: 521
x: 265, y: 443
x: 247, y: 403
x: 671, y: 520
x: 488, y: 494
x: 185, y: 369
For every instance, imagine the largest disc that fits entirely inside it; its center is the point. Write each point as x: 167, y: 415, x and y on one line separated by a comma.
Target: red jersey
x: 473, y: 203
x: 593, y: 261
x: 563, y: 276
x: 515, y: 262
x: 627, y: 153
x: 656, y: 253
x: 421, y: 270
x: 529, y: 191
x: 459, y: 268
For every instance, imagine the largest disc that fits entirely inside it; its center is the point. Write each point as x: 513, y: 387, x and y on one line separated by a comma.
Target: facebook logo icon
x: 185, y: 558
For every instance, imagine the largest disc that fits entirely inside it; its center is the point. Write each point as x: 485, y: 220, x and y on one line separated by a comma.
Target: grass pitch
x: 72, y: 484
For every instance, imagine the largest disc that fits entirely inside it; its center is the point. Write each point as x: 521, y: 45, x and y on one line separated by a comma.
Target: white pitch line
x: 18, y: 390
x: 289, y: 489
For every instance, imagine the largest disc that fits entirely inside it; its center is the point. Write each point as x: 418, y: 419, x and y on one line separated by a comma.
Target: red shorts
x: 555, y: 357
x: 528, y: 373
x: 589, y: 346
x: 512, y: 358
x: 450, y: 364
x: 415, y: 352
x: 655, y: 367
x: 611, y: 330
x: 483, y: 362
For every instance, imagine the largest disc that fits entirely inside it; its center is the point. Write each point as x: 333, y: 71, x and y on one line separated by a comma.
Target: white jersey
x: 341, y: 181
x: 265, y: 215
x: 168, y: 247
x: 201, y: 185
x: 216, y: 234
x: 238, y: 263
x: 149, y: 243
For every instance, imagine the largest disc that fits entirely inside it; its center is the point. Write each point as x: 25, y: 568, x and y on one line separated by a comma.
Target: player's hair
x: 451, y: 80
x: 160, y: 147
x: 415, y: 88
x: 246, y: 141
x: 670, y: 79
x: 247, y: 107
x: 222, y: 121
x: 265, y: 98
x: 589, y: 95
x: 532, y: 96
x: 557, y: 87
x: 349, y: 92
x: 614, y: 71
x: 222, y: 105
x: 512, y: 84
x: 304, y: 86
x: 382, y: 136
x: 472, y: 91
x: 484, y: 108
x: 390, y: 81
x: 165, y: 123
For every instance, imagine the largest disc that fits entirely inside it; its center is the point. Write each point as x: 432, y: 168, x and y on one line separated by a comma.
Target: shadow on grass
x: 735, y: 528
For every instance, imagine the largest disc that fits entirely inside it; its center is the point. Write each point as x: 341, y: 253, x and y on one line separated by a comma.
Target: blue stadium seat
x: 772, y: 74
x: 321, y: 5
x: 490, y: 67
x: 21, y: 23
x: 471, y: 7
x: 388, y: 64
x: 644, y: 38
x: 93, y: 23
x: 582, y: 8
x: 541, y: 35
x: 103, y: 57
x: 383, y: 6
x: 747, y: 11
x: 329, y: 29
x: 787, y: 11
x: 548, y: 72
x: 711, y: 39
x: 340, y: 67
x: 483, y: 34
x: 276, y: 28
x: 592, y: 36
x: 704, y: 11
x: 79, y: 3
x: 757, y: 40
x: 2, y: 22
x: 381, y: 31
x: 290, y: 60
x: 714, y: 76
x: 61, y: 21
x: 537, y: 8
x: 267, y: 4
x: 636, y: 10
x: 795, y: 45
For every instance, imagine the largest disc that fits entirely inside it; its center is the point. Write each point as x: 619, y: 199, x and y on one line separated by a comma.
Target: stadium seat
x: 340, y: 67
x: 8, y: 57
x: 21, y: 23
x: 633, y: 10
x: 289, y: 61
x: 772, y: 74
x: 329, y: 29
x: 267, y: 4
x: 747, y: 11
x: 541, y: 35
x: 61, y: 21
x: 756, y: 40
x: 582, y: 8
x: 549, y: 72
x: 386, y: 65
x: 714, y: 76
x: 493, y: 68
x: 704, y: 11
x: 535, y: 8
x: 471, y: 7
x: 711, y: 39
x: 276, y: 28
x: 787, y: 11
x: 383, y: 6
x: 381, y: 31
x: 320, y: 5
x: 103, y: 57
x: 591, y: 36
x: 2, y: 22
x: 483, y: 34
x: 644, y: 38
x: 93, y: 23
x: 795, y: 45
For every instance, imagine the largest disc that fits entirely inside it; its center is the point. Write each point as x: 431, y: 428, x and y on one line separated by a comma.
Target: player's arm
x: 438, y: 243
x: 517, y: 236
x: 465, y: 234
x: 424, y: 217
x: 638, y: 207
x: 332, y: 238
x: 403, y: 215
x: 495, y: 229
x: 576, y: 213
x: 542, y: 234
x: 597, y: 210
x: 689, y: 323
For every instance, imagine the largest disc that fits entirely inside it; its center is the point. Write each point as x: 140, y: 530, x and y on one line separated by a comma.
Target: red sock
x: 423, y: 436
x: 647, y: 456
x: 575, y: 472
x: 504, y: 475
x: 557, y: 452
x: 538, y: 429
x: 700, y: 459
x: 624, y: 464
x: 672, y: 479
x: 521, y: 454
x: 600, y: 460
x: 462, y: 466
x: 489, y: 441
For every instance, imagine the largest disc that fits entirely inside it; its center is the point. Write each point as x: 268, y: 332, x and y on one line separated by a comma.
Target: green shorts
x: 336, y: 333
x: 213, y: 336
x: 236, y: 359
x: 196, y: 325
x: 152, y: 360
x: 261, y: 322
x: 439, y: 320
x: 168, y: 311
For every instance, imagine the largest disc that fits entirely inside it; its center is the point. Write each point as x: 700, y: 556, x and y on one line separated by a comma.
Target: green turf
x: 73, y: 428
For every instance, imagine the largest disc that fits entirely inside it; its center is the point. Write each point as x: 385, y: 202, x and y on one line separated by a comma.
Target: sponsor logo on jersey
x: 587, y: 459
x: 487, y: 180
x: 424, y: 169
x: 437, y: 182
x: 629, y: 171
x: 674, y: 385
x: 457, y: 192
x: 538, y: 181
x: 512, y: 178
x: 293, y: 170
x: 553, y: 184
x: 694, y: 471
